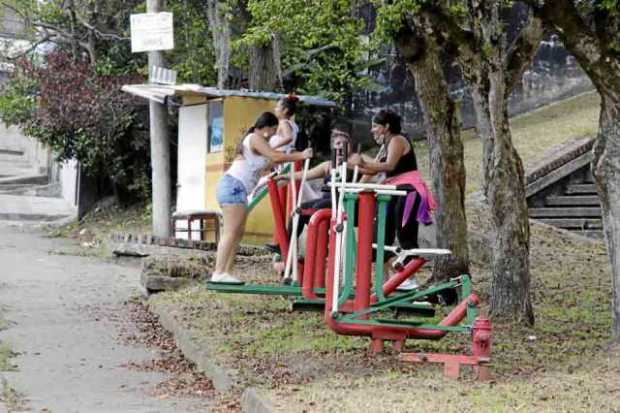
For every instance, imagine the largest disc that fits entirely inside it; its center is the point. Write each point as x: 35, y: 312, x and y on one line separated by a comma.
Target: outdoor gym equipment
x: 337, y: 275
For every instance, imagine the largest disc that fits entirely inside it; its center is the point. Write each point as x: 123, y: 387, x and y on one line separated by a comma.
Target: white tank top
x: 248, y: 169
x: 289, y: 147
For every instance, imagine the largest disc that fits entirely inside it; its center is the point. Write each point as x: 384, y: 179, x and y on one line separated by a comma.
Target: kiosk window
x: 215, y: 121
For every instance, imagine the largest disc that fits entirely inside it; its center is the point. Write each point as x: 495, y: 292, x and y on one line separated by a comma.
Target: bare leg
x: 230, y: 264
x: 234, y: 221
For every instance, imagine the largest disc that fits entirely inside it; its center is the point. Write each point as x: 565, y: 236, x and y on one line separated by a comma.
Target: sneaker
x: 408, y: 285
x: 224, y: 278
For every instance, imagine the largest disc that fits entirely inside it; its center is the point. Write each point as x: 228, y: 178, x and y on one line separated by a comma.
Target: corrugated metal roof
x: 159, y: 93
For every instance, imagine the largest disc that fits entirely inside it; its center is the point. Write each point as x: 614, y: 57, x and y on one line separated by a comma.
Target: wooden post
x: 160, y: 148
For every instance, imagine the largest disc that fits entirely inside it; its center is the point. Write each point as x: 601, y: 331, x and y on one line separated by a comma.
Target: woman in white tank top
x: 255, y: 155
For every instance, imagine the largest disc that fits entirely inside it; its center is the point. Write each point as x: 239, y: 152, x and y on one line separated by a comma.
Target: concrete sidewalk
x: 65, y: 314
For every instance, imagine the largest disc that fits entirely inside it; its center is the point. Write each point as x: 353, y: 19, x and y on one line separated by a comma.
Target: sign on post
x: 151, y: 31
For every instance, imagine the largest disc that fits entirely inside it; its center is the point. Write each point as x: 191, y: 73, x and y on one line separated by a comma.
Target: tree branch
x: 572, y: 29
x: 98, y: 32
x: 449, y: 25
x: 522, y: 51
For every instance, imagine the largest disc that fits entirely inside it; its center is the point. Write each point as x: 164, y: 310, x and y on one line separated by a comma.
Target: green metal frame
x: 265, y: 190
x: 403, y: 299
x: 285, y: 290
x: 405, y: 302
x: 349, y: 207
x: 382, y: 202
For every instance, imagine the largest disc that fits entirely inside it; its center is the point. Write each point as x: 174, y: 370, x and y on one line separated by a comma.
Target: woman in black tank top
x: 396, y: 156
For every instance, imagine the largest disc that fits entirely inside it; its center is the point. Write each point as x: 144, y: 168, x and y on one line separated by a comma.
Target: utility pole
x: 160, y: 148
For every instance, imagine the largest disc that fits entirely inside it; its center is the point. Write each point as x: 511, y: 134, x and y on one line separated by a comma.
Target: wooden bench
x: 207, y: 220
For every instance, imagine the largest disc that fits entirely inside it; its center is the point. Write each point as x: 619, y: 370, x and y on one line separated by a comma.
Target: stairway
x: 26, y: 194
x: 561, y: 190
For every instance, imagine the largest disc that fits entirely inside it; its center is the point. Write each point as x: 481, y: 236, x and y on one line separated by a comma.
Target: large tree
x: 474, y: 34
x: 422, y: 50
x: 590, y: 30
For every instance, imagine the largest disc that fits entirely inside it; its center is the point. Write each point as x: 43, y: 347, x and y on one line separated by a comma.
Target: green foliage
x: 18, y: 98
x: 70, y: 99
x: 193, y: 56
x: 392, y: 15
x: 80, y: 114
x: 321, y: 43
x: 609, y: 5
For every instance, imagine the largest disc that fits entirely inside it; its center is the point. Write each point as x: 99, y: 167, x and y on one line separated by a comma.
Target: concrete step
x: 31, y: 217
x: 575, y: 200
x: 7, y: 151
x: 575, y: 189
x: 574, y: 223
x: 568, y: 212
x: 31, y: 179
x: 34, y: 208
x: 12, y: 158
x: 596, y: 234
x: 51, y: 190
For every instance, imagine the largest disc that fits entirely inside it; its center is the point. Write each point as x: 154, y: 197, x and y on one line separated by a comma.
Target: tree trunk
x: 484, y: 131
x: 263, y: 72
x: 590, y: 34
x: 160, y: 150
x: 505, y: 194
x: 220, y: 32
x: 606, y: 169
x: 447, y: 165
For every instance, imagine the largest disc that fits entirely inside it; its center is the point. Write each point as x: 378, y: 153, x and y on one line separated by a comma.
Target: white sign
x: 151, y: 31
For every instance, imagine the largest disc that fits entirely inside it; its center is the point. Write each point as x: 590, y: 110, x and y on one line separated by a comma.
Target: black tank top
x: 406, y: 163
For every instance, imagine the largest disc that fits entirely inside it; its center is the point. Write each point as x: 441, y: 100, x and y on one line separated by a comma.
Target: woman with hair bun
x: 255, y: 155
x: 286, y: 136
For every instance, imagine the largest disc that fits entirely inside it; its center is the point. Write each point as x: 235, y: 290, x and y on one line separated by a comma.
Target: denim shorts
x: 230, y: 191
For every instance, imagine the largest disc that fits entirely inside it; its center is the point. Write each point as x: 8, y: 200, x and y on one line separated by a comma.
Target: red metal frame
x: 480, y: 358
x: 320, y: 242
x: 278, y: 217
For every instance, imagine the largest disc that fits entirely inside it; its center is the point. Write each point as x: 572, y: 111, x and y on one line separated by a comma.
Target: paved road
x: 70, y: 360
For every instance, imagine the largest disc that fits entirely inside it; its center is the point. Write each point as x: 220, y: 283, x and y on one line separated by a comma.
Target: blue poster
x: 216, y: 126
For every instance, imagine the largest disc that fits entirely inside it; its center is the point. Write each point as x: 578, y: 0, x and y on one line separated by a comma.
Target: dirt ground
x: 562, y: 363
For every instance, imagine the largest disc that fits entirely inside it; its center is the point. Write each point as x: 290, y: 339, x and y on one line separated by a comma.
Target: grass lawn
x: 563, y: 363
x: 560, y: 364
x: 533, y: 134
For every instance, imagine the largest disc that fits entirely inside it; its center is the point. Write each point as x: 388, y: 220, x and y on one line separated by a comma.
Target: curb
x: 223, y: 378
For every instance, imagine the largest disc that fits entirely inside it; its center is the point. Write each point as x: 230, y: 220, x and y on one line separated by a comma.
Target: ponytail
x: 265, y: 120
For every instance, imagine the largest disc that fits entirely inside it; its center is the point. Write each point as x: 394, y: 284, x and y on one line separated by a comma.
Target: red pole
x: 397, y: 279
x: 318, y: 221
x: 321, y: 255
x: 366, y: 214
x: 278, y: 218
